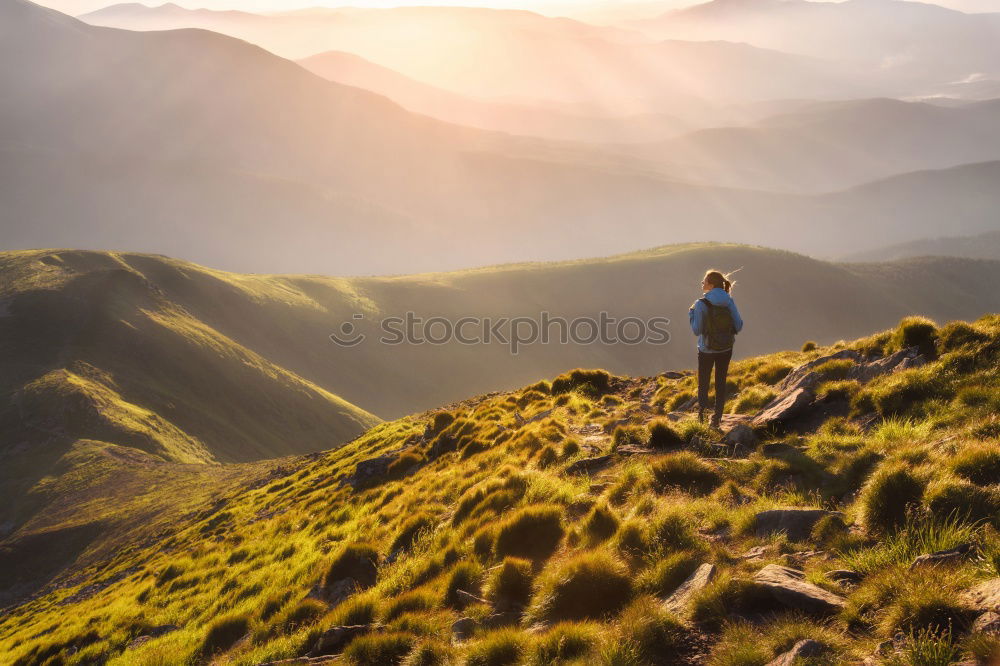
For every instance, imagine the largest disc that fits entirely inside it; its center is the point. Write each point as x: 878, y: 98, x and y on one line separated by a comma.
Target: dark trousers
x: 705, y: 362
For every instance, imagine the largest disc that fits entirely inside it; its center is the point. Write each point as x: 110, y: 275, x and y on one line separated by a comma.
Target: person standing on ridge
x: 716, y: 321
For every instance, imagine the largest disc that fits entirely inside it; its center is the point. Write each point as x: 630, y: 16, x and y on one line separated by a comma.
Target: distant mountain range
x: 980, y: 246
x: 912, y: 43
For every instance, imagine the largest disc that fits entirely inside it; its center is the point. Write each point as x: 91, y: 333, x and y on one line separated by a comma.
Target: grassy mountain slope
x: 476, y: 514
x: 285, y: 321
x: 96, y: 355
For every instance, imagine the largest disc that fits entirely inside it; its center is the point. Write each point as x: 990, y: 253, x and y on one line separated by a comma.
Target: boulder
x: 741, y: 436
x: 987, y: 623
x: 786, y: 406
x: 462, y: 628
x: 948, y: 556
x: 789, y: 588
x: 905, y: 358
x: 796, y: 523
x: 804, y: 377
x: 368, y: 472
x: 845, y: 576
x: 334, y: 639
x: 588, y: 465
x: 985, y: 596
x: 801, y: 650
x: 702, y: 576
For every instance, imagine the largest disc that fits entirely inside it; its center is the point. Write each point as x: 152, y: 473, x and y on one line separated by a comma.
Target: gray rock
x: 905, y: 358
x: 786, y: 406
x: 588, y: 465
x: 463, y: 628
x: 741, y: 436
x: 702, y: 576
x: 755, y: 553
x: 804, y: 377
x: 942, y: 556
x: 796, y: 523
x: 801, y: 650
x: 987, y: 623
x: 845, y: 576
x: 334, y: 639
x: 670, y: 374
x: 789, y: 588
x: 503, y: 619
x: 985, y: 596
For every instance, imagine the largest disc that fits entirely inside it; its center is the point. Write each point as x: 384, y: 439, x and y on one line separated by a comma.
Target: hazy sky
x: 646, y: 7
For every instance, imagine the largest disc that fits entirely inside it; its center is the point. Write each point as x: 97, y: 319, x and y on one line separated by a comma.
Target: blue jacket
x: 696, y: 314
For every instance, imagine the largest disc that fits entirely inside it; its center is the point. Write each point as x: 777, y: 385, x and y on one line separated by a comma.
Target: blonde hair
x: 718, y: 279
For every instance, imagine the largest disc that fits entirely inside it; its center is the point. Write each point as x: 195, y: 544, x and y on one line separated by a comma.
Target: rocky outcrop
x: 741, y: 436
x: 803, y: 375
x: 334, y: 639
x: 785, y: 407
x: 589, y: 465
x: 985, y: 596
x: 789, y: 588
x: 697, y: 581
x: 796, y: 523
x: 801, y: 650
x: 948, y: 556
x: 901, y: 360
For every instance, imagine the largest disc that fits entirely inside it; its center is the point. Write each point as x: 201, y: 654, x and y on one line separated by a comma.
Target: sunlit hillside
x: 586, y: 520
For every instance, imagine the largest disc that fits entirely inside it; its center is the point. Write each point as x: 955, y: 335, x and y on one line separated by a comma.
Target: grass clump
x: 685, y: 470
x: 958, y: 334
x: 772, y: 372
x: 410, y: 530
x: 918, y: 332
x: 358, y: 561
x: 379, y: 649
x: 753, y: 399
x: 658, y: 636
x: 503, y: 647
x: 628, y: 436
x: 918, y: 536
x: 667, y: 573
x: 978, y: 464
x: 600, y: 524
x: 962, y: 499
x: 902, y: 392
x: 888, y: 497
x: 590, y: 586
x: 223, y: 633
x: 566, y: 642
x: 465, y: 577
x: 662, y: 435
x: 588, y: 382
x: 534, y: 532
x: 430, y: 653
x: 808, y: 346
x: 510, y: 584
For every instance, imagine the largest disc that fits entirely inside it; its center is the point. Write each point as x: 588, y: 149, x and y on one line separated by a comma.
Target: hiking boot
x: 716, y: 421
x: 701, y: 416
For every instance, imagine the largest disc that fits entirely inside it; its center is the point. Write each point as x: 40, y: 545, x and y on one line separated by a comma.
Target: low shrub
x: 570, y: 447
x: 686, y: 471
x: 808, y: 346
x: 888, y: 496
x: 440, y: 421
x: 355, y: 560
x: 772, y: 372
x: 590, y: 586
x: 534, y: 532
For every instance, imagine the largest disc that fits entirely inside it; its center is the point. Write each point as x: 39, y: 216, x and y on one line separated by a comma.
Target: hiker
x: 716, y: 321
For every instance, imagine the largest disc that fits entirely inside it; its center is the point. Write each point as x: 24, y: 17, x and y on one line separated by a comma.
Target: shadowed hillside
x: 846, y: 511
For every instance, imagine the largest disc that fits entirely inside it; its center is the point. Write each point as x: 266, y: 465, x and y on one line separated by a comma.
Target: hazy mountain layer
x: 980, y: 246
